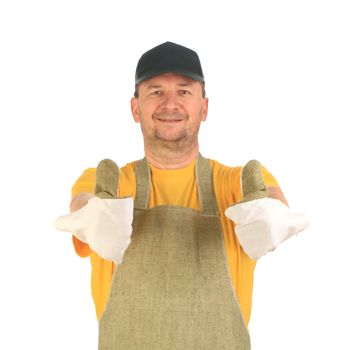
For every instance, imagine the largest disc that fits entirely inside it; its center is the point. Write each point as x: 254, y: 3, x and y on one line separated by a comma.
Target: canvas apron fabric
x: 173, y: 290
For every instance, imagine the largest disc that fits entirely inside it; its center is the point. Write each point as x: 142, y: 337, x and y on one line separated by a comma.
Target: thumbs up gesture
x: 105, y: 221
x: 262, y: 223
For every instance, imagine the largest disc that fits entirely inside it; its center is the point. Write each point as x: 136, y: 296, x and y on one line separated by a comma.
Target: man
x: 185, y: 281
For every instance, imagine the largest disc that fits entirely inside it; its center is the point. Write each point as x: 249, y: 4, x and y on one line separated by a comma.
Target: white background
x: 277, y: 81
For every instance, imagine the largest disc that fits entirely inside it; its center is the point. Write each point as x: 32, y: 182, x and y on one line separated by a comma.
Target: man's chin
x: 170, y: 138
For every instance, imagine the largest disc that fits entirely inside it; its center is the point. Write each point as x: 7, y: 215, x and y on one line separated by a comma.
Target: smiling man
x: 185, y: 281
x: 170, y: 108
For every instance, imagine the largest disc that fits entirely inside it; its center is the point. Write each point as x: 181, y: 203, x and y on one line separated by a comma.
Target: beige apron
x: 173, y: 290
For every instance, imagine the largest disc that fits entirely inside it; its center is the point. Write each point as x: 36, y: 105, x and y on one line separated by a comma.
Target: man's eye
x: 185, y: 92
x: 156, y: 93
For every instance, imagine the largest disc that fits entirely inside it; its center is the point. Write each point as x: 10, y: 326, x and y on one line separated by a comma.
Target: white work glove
x: 104, y: 224
x: 105, y: 221
x: 262, y: 223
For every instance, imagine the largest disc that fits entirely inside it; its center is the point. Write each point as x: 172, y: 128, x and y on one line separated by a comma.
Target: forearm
x: 80, y: 200
x: 275, y: 192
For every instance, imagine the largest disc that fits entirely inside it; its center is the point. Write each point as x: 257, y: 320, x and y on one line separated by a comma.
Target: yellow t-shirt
x: 177, y: 187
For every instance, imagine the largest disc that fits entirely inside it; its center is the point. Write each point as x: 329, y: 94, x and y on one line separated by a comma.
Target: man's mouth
x: 169, y: 118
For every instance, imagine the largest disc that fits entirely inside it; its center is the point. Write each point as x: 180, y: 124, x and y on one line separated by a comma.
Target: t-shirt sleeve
x: 269, y: 179
x: 85, y: 183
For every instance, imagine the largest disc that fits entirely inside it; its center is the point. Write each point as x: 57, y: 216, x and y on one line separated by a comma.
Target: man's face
x: 170, y: 108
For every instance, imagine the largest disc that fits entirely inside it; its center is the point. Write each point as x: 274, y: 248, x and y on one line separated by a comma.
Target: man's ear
x: 204, y: 110
x: 135, y: 109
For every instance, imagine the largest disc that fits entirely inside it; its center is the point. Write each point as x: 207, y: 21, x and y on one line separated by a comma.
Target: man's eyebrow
x: 158, y: 86
x: 185, y: 84
x: 154, y: 87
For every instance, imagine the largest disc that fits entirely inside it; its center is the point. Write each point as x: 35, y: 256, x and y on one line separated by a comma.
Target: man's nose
x: 170, y: 101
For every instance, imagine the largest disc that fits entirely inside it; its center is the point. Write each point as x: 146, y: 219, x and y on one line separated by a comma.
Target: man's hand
x: 262, y: 218
x: 103, y: 221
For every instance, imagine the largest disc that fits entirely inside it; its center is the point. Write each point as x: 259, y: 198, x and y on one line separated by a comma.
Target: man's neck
x: 168, y: 158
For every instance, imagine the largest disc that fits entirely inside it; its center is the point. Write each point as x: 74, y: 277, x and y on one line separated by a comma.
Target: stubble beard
x: 183, y: 140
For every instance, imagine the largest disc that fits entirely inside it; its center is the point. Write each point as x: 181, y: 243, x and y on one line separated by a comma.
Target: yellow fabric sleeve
x: 184, y: 193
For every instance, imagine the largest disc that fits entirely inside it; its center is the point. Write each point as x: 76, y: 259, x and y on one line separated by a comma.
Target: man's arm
x: 79, y: 201
x: 275, y: 192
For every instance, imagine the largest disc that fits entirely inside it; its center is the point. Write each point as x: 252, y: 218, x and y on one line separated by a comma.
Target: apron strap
x: 143, y: 180
x: 204, y: 180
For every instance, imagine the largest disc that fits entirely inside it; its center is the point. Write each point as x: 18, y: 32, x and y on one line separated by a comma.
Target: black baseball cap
x: 169, y: 58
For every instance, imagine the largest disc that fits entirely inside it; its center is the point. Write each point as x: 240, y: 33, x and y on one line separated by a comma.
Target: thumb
x: 107, y: 174
x: 253, y: 186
